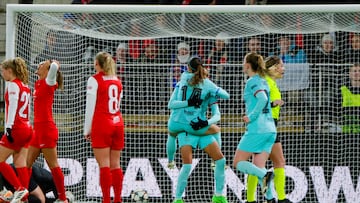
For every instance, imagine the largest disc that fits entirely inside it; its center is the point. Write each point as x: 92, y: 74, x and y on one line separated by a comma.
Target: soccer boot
x: 70, y: 196
x: 266, y: 182
x: 178, y: 201
x: 19, y: 195
x: 219, y: 199
x: 6, y: 195
x: 171, y: 165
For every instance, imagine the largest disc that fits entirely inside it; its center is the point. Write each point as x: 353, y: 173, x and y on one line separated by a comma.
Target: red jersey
x: 21, y: 92
x: 43, y: 101
x: 108, y: 96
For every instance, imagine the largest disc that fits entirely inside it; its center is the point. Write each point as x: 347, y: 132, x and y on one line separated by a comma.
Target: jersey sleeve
x: 216, y: 91
x: 13, y: 91
x: 221, y: 93
x: 261, y: 102
x: 215, y: 112
x: 51, y: 77
x: 91, y: 94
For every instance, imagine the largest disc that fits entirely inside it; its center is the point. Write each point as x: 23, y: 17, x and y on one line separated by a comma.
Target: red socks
x: 58, y: 177
x: 117, y: 181
x: 105, y: 183
x: 23, y: 174
x: 9, y: 174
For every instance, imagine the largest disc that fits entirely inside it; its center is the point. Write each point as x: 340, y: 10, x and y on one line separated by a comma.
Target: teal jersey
x: 180, y: 111
x: 258, y: 107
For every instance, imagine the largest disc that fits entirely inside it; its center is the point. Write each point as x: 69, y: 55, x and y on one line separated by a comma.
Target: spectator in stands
x: 89, y: 55
x: 151, y: 53
x: 253, y: 45
x: 326, y: 51
x: 62, y: 46
x: 152, y: 62
x: 218, y: 56
x: 49, y: 50
x: 288, y: 51
x: 353, y: 54
x: 180, y: 60
x: 122, y: 58
x: 324, y: 79
x: 350, y: 96
x: 69, y: 21
x: 134, y: 45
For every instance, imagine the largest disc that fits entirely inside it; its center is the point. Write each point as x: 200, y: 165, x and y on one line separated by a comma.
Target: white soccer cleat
x: 19, y: 195
x: 171, y: 165
x: 6, y: 195
x: 70, y: 196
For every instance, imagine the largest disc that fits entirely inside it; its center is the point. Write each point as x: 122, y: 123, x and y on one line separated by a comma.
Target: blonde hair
x: 18, y: 67
x: 256, y: 62
x: 271, y: 61
x: 106, y: 63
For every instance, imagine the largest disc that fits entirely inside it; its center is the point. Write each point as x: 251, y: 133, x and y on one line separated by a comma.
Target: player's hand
x: 87, y: 137
x: 200, y: 124
x: 195, y: 102
x: 278, y: 102
x: 246, y: 119
x: 8, y: 135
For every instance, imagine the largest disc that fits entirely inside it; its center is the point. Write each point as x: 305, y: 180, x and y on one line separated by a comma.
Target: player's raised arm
x: 51, y: 76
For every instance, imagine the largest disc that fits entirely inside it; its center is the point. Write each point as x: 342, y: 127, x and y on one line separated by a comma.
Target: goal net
x: 151, y: 45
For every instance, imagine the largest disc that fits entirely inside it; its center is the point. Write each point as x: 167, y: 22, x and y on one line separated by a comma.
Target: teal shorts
x: 195, y: 141
x: 177, y: 127
x: 257, y: 143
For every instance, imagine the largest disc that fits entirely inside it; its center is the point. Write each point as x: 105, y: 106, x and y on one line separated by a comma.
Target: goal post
x: 151, y: 45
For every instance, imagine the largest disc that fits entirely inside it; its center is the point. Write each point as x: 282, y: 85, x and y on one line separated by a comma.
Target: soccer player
x: 45, y: 131
x: 260, y: 132
x: 274, y: 70
x: 104, y: 125
x: 350, y: 101
x: 18, y: 131
x: 197, y: 86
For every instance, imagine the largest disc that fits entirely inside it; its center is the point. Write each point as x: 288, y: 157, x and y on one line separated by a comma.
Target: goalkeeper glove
x: 196, y: 102
x: 8, y: 135
x: 200, y: 124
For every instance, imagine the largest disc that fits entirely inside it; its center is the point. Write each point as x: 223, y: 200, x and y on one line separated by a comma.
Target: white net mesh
x: 151, y: 50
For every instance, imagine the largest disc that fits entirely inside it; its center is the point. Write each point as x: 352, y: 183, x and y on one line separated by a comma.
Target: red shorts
x: 107, y: 136
x: 46, y: 135
x: 22, y: 137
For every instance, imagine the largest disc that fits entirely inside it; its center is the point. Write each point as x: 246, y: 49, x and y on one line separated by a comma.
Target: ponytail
x: 257, y: 63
